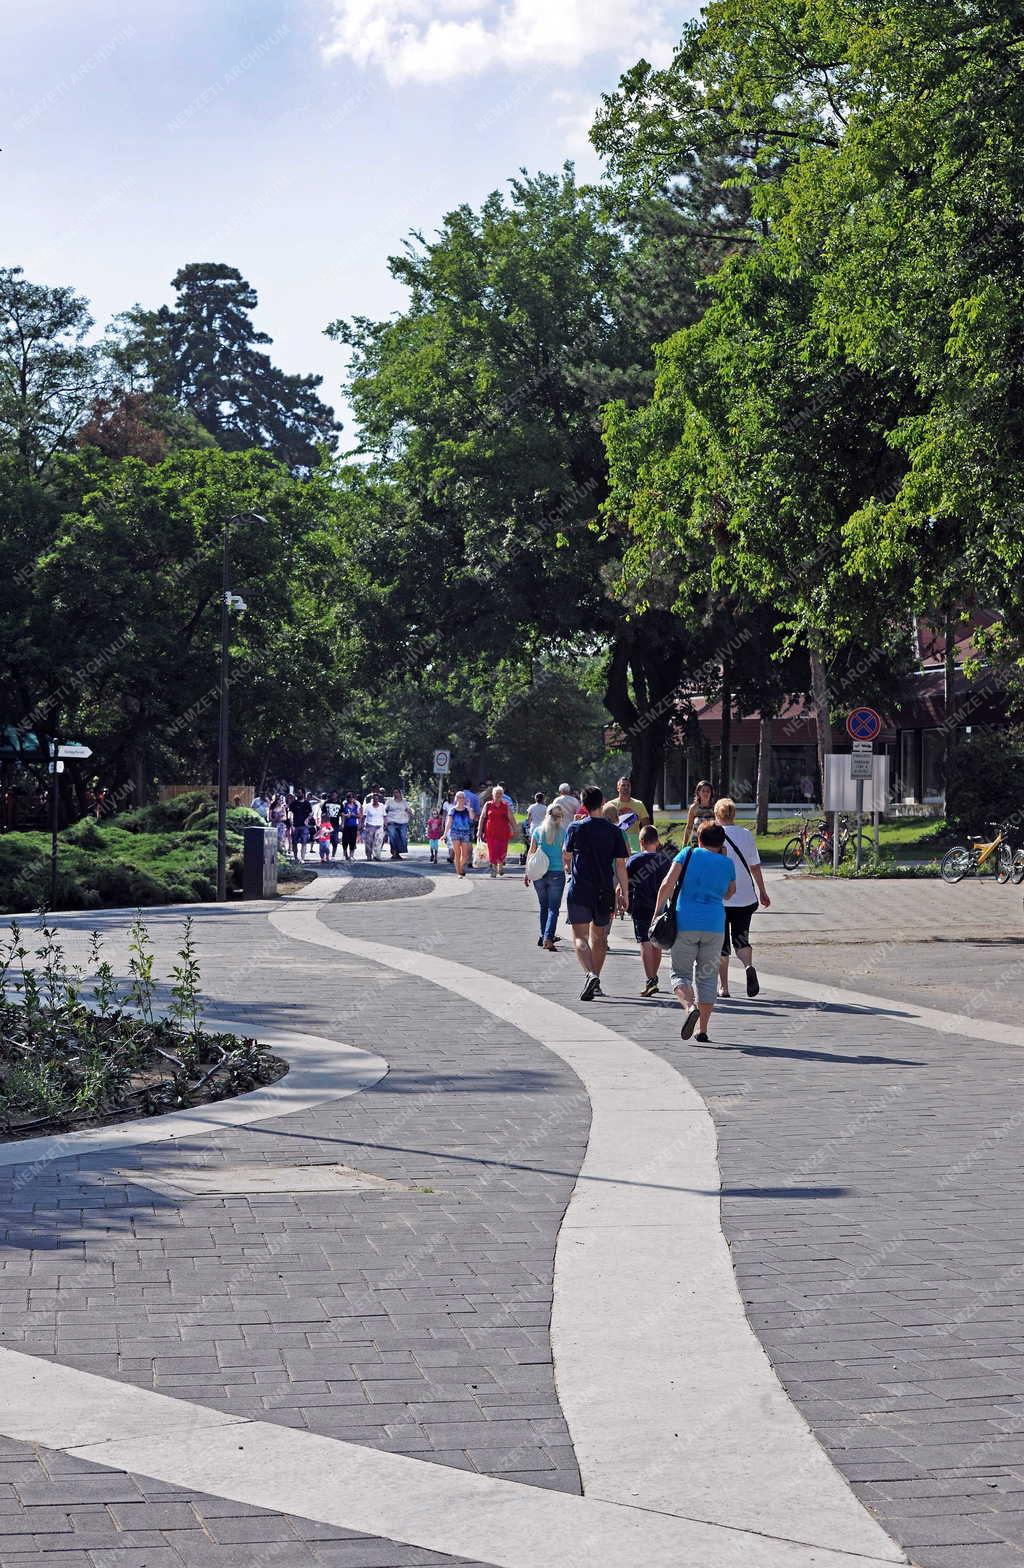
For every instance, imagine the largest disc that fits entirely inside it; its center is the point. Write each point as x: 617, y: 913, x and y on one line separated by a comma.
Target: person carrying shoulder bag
x: 697, y: 883
x: 741, y: 848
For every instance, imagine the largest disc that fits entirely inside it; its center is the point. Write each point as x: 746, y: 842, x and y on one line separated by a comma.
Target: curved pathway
x: 837, y: 1104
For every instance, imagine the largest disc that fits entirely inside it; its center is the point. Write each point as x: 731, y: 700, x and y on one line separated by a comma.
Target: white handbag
x: 537, y: 864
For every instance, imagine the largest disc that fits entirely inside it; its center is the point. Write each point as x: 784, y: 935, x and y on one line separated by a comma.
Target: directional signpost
x: 59, y: 751
x: 863, y: 726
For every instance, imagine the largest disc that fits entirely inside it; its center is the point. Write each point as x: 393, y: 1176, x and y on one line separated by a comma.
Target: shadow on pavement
x: 812, y: 1056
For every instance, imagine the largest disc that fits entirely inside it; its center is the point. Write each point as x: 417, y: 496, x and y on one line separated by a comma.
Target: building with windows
x: 913, y: 735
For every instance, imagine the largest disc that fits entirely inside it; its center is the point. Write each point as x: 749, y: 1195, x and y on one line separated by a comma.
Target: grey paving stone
x: 873, y: 1211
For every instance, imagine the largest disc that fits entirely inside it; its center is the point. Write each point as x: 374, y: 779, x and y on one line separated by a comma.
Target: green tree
x: 112, y: 625
x: 204, y: 354
x: 49, y: 374
x: 482, y: 401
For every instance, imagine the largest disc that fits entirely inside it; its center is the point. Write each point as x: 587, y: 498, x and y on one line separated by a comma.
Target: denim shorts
x: 587, y: 915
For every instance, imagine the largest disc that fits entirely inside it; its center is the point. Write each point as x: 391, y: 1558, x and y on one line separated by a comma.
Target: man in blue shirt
x: 701, y: 880
x: 594, y: 855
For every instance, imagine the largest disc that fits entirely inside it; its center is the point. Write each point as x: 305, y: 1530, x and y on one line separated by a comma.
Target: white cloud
x: 438, y: 40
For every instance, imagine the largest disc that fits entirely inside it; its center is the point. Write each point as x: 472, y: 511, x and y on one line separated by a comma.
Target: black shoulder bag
x: 664, y: 929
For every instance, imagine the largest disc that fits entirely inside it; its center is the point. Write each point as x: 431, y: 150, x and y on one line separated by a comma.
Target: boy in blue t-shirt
x: 701, y: 879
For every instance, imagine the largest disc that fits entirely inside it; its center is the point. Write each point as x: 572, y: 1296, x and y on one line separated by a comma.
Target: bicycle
x: 796, y: 850
x: 819, y: 845
x: 964, y: 859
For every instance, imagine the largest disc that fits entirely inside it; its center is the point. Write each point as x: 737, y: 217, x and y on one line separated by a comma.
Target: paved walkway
x: 374, y: 1270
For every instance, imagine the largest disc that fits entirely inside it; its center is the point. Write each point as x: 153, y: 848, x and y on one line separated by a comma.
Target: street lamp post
x: 228, y: 601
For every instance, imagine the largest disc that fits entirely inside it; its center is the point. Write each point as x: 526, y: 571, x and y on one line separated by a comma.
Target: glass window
x: 743, y: 783
x: 794, y: 774
x: 909, y: 788
x: 933, y: 765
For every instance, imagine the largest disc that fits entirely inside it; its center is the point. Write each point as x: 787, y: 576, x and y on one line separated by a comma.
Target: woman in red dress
x: 497, y: 825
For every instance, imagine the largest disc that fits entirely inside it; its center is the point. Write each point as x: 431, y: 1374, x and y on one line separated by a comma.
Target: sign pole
x: 835, y: 843
x: 54, y: 819
x: 860, y: 819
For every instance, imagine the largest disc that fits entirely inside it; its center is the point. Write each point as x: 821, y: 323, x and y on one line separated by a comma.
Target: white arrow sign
x: 74, y: 748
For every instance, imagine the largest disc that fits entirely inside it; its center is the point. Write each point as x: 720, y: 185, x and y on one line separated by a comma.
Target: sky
x: 298, y: 140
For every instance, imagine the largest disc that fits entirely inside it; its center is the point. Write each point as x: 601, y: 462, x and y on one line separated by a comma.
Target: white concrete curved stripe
x: 319, y: 1070
x: 670, y: 1400
x: 899, y: 1012
x: 357, y: 1488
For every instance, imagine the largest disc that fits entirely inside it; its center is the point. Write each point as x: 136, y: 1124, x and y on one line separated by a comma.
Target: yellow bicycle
x: 962, y: 859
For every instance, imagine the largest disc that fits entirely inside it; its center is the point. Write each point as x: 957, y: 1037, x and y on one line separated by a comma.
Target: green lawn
x: 912, y: 838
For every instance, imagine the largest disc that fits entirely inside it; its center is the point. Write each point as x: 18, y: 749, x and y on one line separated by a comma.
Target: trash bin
x: 259, y: 862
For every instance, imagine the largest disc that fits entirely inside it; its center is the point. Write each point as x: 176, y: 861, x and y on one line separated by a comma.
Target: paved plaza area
x: 497, y: 1277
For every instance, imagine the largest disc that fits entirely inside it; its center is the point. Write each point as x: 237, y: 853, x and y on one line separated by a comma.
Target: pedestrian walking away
x: 548, y: 840
x: 701, y: 810
x: 350, y: 815
x: 435, y: 832
x: 570, y: 804
x: 301, y: 811
x: 594, y: 856
x: 371, y: 821
x: 741, y: 848
x: 698, y: 882
x: 497, y: 825
x: 535, y: 814
x: 459, y: 827
x: 646, y: 871
x: 397, y: 813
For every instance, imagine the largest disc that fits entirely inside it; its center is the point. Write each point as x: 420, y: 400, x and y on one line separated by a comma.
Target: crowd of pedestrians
x: 604, y: 858
x: 607, y: 858
x: 334, y: 819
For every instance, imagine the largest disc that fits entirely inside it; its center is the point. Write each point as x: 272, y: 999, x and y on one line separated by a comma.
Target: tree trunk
x: 819, y: 691
x: 725, y: 752
x: 764, y: 773
x: 949, y: 677
x: 138, y: 777
x: 640, y: 694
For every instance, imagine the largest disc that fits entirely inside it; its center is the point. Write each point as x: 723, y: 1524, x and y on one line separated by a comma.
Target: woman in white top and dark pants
x: 741, y: 847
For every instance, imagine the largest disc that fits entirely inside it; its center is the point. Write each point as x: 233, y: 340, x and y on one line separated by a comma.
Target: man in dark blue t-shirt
x: 594, y: 855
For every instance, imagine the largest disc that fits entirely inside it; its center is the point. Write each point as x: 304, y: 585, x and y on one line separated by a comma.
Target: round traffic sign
x: 864, y: 724
x: 442, y: 761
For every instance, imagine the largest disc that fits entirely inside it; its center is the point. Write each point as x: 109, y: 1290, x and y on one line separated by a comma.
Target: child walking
x: 435, y: 832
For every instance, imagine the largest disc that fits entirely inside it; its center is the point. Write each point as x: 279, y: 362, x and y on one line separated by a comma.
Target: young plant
x: 186, y: 1005
x: 140, y: 966
x: 104, y: 991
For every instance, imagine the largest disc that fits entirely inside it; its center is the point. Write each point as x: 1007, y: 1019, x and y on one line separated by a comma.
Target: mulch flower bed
x: 78, y: 1050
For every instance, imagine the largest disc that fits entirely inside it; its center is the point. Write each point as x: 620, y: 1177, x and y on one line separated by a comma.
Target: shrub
x: 85, y: 834
x: 166, y: 815
x: 986, y: 781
